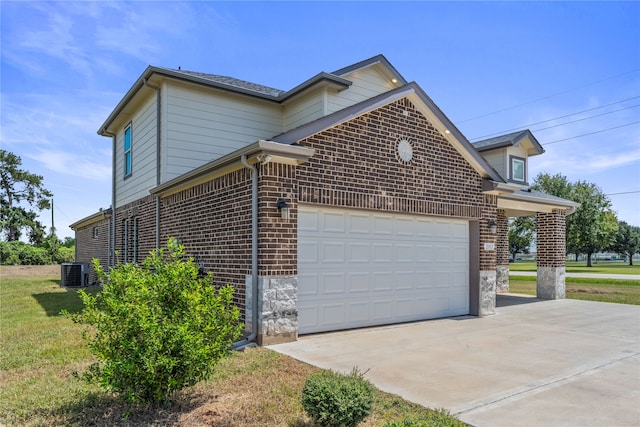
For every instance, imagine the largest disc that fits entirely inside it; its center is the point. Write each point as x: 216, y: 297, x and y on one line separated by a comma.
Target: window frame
x: 512, y: 161
x: 128, y: 157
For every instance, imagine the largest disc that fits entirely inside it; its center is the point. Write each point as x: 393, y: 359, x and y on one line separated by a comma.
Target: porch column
x: 502, y: 253
x: 551, y: 254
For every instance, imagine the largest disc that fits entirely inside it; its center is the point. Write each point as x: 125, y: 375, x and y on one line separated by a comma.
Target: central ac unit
x: 75, y: 274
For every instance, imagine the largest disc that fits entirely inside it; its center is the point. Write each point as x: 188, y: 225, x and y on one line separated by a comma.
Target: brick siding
x: 90, y: 245
x: 502, y: 244
x: 213, y: 222
x: 551, y: 246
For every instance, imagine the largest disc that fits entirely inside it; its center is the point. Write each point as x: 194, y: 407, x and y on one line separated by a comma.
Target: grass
x: 602, y: 267
x: 41, y: 350
x: 603, y: 290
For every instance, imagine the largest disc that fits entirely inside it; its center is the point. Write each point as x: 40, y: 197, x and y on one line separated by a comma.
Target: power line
x: 590, y: 133
x: 554, y: 119
x: 586, y: 118
x: 624, y: 192
x: 545, y: 97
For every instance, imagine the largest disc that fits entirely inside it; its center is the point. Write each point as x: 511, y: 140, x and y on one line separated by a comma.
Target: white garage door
x: 357, y: 268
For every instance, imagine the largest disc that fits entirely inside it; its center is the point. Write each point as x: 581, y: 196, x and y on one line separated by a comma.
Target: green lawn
x: 41, y: 349
x: 604, y: 290
x: 602, y: 267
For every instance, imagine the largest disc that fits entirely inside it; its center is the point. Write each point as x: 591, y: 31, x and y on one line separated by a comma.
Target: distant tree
x: 593, y: 226
x: 69, y: 242
x: 521, y: 235
x: 627, y: 241
x: 17, y: 188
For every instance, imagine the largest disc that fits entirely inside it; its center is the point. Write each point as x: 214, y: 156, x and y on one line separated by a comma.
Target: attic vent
x: 74, y: 274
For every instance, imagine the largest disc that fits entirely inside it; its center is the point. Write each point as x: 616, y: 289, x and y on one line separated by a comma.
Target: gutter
x: 158, y: 156
x: 111, y: 244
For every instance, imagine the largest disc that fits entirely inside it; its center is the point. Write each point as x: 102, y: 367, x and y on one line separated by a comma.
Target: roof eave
x: 259, y: 152
x: 91, y: 219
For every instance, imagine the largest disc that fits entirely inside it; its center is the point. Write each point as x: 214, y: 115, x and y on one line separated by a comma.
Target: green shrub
x: 20, y: 253
x: 158, y: 327
x: 439, y: 418
x: 333, y: 399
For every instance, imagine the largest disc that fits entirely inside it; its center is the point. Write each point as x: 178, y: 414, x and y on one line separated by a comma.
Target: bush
x: 332, y: 399
x: 158, y: 327
x: 20, y: 253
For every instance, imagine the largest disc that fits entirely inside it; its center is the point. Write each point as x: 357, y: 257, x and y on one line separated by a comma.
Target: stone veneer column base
x: 502, y: 278
x: 550, y: 283
x: 487, y: 293
x: 277, y: 310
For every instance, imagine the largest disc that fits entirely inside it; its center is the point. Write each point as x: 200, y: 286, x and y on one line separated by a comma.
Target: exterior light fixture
x: 493, y: 226
x: 283, y: 207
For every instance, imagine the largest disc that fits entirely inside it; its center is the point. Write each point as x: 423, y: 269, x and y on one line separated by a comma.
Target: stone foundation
x: 502, y: 278
x: 487, y: 293
x: 550, y: 283
x: 278, y: 310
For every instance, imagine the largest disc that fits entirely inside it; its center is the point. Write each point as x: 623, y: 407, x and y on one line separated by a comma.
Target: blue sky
x: 492, y: 67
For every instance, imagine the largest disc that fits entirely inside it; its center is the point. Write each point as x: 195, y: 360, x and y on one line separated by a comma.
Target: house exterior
x: 350, y: 200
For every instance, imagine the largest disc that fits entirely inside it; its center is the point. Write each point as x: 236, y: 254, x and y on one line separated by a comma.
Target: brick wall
x: 550, y: 241
x: 144, y: 212
x: 213, y: 222
x: 92, y: 242
x: 502, y: 244
x: 356, y: 165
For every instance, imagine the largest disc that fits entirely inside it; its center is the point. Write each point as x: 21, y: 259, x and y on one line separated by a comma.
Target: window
x: 518, y: 172
x: 127, y: 151
x: 130, y: 240
x: 95, y: 232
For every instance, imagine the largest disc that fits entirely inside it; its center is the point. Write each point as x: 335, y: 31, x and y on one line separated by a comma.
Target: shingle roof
x: 235, y: 83
x: 507, y: 140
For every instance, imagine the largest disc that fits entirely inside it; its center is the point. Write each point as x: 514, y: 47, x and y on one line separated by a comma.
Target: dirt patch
x: 29, y: 271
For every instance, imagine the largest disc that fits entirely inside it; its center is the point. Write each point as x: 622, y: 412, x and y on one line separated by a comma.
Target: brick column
x: 502, y: 253
x: 551, y: 257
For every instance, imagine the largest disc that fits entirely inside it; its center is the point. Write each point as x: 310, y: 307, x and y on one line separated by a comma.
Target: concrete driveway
x: 533, y: 363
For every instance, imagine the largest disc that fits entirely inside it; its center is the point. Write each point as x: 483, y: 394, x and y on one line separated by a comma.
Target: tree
x: 521, y: 234
x: 593, y: 226
x: 17, y: 188
x: 627, y: 241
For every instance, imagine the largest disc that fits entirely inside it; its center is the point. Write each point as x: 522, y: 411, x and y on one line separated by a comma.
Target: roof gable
x: 515, y: 139
x: 422, y: 102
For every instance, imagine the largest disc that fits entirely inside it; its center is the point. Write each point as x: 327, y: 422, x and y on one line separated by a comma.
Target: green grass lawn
x: 602, y: 267
x: 41, y: 350
x: 604, y: 290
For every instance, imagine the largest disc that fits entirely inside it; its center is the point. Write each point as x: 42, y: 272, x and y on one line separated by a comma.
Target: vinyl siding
x: 498, y: 159
x: 304, y: 110
x: 143, y: 155
x: 367, y: 83
x: 202, y: 125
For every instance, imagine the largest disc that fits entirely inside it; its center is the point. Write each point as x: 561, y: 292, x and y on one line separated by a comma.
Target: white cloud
x: 84, y: 165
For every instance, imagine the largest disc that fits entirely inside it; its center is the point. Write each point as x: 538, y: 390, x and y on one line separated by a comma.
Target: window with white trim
x: 127, y: 151
x: 517, y: 169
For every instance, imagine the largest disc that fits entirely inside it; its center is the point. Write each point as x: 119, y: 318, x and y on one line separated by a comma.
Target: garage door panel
x: 362, y: 269
x: 359, y: 283
x: 333, y: 252
x: 359, y: 252
x: 332, y: 284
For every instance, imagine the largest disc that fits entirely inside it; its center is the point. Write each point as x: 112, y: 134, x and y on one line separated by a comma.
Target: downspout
x: 250, y: 340
x: 158, y: 157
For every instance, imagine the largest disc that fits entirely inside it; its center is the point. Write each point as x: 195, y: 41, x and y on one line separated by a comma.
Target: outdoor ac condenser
x: 74, y: 274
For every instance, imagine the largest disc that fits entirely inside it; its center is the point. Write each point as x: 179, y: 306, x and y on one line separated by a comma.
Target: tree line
x: 592, y: 228
x: 22, y: 196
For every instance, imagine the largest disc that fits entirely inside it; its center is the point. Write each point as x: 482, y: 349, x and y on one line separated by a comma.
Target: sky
x: 568, y: 71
